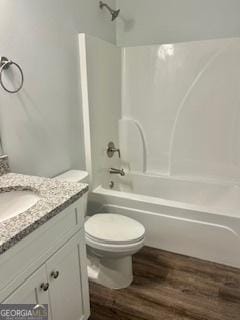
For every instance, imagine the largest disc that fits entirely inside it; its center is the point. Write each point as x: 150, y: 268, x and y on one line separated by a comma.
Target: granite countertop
x: 55, y: 196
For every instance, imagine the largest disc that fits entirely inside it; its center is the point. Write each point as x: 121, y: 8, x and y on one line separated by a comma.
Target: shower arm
x: 114, y: 13
x: 102, y: 4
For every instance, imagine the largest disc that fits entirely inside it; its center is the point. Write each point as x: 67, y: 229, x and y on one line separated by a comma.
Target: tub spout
x: 117, y: 171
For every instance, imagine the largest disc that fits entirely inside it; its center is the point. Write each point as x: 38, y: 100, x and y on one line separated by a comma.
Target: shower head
x: 114, y: 13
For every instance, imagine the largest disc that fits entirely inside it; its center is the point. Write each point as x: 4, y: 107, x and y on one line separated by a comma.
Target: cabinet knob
x: 55, y: 274
x: 44, y: 286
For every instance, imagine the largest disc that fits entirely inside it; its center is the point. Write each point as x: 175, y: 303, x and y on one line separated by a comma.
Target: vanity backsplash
x: 4, y: 165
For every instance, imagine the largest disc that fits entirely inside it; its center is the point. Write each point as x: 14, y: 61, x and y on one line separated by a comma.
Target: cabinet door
x: 30, y: 291
x: 67, y: 276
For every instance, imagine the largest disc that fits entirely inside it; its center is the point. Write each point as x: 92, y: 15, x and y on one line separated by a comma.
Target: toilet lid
x: 114, y: 229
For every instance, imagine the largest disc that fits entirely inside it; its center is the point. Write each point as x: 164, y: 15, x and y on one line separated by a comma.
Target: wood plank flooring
x: 168, y: 286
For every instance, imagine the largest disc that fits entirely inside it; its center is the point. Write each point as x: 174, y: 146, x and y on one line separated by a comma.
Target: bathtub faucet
x: 117, y: 171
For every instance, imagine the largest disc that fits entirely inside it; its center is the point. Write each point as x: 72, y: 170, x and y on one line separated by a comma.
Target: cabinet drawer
x: 20, y: 261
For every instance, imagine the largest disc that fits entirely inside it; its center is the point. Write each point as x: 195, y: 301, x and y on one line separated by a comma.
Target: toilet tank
x: 74, y: 176
x: 77, y: 176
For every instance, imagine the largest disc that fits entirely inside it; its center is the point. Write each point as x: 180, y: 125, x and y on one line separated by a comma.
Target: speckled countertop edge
x: 55, y: 196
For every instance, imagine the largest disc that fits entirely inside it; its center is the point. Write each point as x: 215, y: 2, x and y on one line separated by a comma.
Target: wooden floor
x: 168, y: 286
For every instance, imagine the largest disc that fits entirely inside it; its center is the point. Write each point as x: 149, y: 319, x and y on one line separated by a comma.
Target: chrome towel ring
x: 4, y: 65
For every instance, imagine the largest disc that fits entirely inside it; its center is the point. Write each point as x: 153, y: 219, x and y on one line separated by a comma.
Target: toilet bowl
x: 112, y: 240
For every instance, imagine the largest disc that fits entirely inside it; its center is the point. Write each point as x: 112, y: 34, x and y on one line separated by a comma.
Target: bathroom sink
x: 13, y: 203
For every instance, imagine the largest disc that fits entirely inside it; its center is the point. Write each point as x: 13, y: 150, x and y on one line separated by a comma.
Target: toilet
x: 112, y: 240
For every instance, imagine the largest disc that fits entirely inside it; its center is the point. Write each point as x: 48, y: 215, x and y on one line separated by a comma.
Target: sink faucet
x: 117, y: 171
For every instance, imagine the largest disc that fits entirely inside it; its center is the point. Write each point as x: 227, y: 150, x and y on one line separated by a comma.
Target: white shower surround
x: 179, y: 137
x: 184, y: 100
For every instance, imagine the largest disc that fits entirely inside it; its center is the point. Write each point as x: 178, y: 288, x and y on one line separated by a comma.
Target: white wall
x: 101, y: 104
x: 168, y: 21
x: 41, y: 126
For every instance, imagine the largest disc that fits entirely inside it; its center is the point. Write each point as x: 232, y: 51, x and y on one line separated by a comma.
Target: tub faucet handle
x: 112, y: 149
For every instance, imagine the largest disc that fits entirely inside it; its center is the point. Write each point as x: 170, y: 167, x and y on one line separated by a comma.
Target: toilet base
x: 113, y: 273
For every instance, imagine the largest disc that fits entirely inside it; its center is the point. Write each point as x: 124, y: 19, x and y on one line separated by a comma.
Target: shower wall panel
x: 185, y: 100
x: 101, y: 98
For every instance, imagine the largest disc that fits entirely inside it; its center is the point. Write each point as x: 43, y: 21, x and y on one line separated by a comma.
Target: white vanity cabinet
x: 65, y: 274
x: 30, y: 292
x: 55, y: 271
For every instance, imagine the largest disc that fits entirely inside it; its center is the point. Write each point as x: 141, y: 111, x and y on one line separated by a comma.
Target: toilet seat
x: 115, y: 249
x: 113, y: 230
x: 112, y: 243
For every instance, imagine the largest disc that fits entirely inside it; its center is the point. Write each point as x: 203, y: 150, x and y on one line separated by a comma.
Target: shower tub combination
x: 198, y: 219
x: 162, y: 106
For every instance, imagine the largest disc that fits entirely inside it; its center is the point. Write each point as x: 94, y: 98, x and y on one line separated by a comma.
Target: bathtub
x: 195, y: 218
